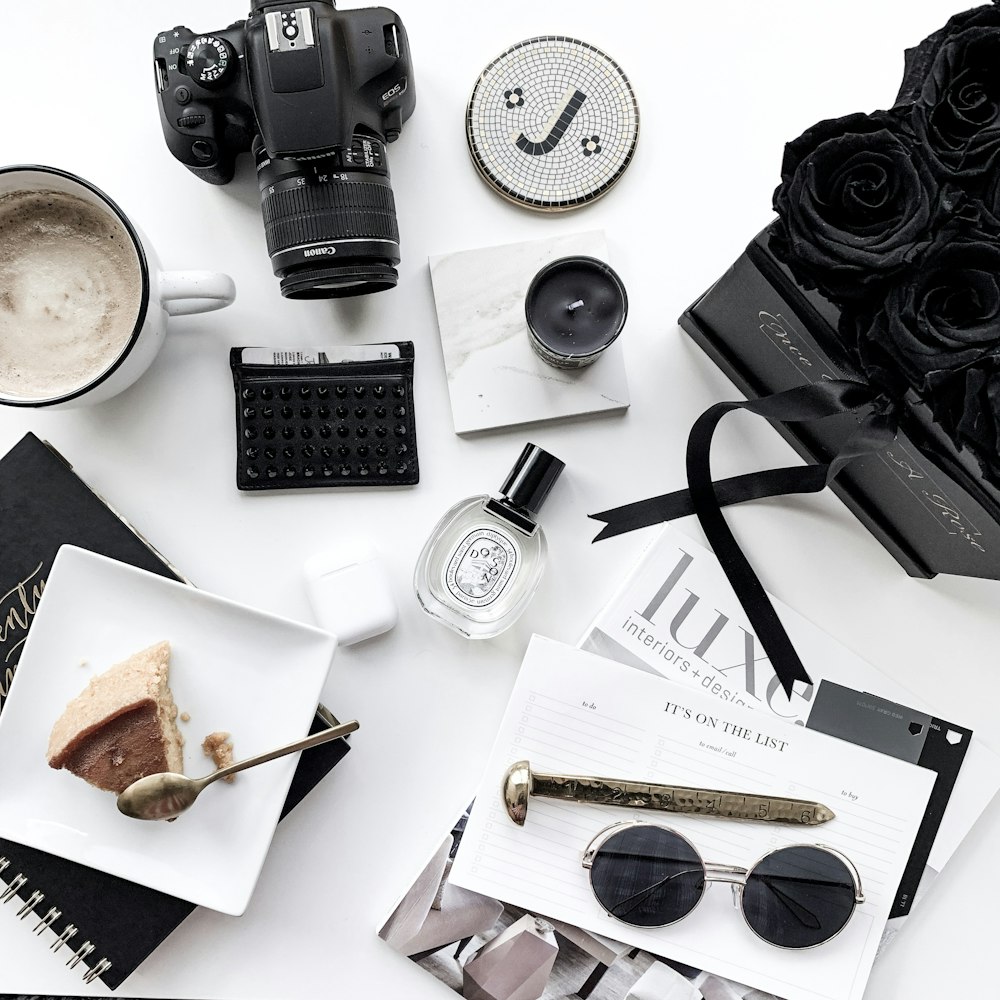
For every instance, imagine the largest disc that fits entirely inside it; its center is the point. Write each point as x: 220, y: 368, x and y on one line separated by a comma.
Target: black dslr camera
x: 315, y: 94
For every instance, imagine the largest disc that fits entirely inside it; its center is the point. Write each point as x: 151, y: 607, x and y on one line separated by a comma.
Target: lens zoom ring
x: 346, y: 210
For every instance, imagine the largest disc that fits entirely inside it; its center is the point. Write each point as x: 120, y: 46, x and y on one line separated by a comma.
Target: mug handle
x: 185, y: 292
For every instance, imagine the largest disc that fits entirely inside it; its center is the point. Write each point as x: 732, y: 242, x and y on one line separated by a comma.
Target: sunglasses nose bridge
x: 733, y: 874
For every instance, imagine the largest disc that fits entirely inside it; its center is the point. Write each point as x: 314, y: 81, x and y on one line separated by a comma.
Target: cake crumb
x: 85, y: 663
x: 219, y: 746
x: 185, y: 716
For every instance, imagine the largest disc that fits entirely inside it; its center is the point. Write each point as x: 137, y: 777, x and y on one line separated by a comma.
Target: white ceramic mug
x: 164, y: 293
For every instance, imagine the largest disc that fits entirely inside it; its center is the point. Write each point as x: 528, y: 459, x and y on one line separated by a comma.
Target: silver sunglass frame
x: 714, y: 872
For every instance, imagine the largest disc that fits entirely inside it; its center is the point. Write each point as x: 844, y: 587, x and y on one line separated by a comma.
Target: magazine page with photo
x: 481, y: 948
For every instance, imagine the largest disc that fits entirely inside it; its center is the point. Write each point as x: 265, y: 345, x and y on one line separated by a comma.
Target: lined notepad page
x: 576, y: 713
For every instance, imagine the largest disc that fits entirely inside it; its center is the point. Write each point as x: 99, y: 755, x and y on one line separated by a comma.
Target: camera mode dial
x: 209, y: 60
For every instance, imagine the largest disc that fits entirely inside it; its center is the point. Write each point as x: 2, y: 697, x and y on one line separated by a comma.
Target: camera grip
x: 221, y: 172
x: 206, y: 122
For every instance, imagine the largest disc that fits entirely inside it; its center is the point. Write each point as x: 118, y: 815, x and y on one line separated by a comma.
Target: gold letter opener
x: 520, y: 781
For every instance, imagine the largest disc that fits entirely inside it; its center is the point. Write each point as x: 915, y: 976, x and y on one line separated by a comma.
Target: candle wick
x: 573, y: 306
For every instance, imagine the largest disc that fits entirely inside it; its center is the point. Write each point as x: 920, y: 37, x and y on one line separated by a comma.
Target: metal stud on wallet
x: 521, y: 781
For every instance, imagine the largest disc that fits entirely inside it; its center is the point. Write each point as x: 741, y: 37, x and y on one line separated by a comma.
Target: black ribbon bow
x: 707, y: 498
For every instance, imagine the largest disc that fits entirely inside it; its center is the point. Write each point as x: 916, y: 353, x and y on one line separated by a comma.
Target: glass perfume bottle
x: 483, y: 561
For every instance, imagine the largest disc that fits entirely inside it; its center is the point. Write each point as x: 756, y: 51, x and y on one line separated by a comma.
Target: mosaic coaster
x: 552, y: 123
x: 495, y: 379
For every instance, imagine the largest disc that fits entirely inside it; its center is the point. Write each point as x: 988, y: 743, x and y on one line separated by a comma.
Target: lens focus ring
x: 316, y: 213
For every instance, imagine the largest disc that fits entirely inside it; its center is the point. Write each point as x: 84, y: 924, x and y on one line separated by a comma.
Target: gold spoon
x: 167, y: 795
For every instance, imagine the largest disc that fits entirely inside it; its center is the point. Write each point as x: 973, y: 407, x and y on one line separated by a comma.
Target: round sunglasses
x: 793, y: 897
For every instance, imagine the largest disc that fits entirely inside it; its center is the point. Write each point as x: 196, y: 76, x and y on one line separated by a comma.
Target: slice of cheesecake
x: 122, y: 726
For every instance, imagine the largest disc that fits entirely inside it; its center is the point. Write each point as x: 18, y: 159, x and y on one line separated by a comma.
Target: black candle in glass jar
x: 575, y: 308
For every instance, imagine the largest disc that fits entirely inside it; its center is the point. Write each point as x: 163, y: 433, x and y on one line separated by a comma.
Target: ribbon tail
x: 633, y: 516
x: 790, y: 674
x: 873, y: 432
x: 749, y: 590
x: 737, y: 489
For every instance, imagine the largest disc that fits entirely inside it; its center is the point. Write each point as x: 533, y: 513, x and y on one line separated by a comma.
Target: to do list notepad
x: 576, y: 713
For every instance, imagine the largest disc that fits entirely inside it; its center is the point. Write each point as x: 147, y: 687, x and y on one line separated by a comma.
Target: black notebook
x: 106, y: 925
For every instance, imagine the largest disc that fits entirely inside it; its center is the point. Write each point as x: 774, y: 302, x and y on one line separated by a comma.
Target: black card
x: 906, y: 734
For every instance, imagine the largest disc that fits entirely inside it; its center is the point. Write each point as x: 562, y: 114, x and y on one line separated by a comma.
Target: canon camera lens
x: 330, y: 223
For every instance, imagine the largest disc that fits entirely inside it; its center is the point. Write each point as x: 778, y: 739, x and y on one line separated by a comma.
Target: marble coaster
x: 494, y: 377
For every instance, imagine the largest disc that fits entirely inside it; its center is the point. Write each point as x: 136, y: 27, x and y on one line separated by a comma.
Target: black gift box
x: 922, y: 498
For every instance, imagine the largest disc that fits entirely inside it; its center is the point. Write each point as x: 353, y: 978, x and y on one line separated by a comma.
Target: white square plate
x: 231, y: 668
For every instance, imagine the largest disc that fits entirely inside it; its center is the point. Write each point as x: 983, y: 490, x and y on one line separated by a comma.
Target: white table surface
x: 721, y: 87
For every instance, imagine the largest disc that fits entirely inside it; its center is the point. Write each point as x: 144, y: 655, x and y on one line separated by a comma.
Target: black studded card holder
x: 334, y: 416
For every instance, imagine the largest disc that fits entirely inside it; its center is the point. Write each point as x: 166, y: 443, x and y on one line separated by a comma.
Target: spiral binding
x: 31, y: 904
x: 33, y: 900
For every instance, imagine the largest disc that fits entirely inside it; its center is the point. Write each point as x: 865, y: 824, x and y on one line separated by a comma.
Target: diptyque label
x: 481, y: 567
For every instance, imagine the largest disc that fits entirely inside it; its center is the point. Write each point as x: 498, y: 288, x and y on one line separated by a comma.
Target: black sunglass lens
x: 647, y: 876
x: 798, y: 897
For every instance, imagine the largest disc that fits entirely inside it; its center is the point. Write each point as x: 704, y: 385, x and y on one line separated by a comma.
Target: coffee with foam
x: 70, y: 293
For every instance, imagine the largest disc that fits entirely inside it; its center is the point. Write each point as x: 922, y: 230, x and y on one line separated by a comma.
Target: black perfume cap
x: 533, y: 475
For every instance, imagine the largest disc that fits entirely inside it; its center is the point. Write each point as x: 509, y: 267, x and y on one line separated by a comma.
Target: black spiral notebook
x: 103, y: 925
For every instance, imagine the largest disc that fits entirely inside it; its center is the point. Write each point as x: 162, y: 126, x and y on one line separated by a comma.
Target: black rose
x: 957, y: 113
x: 968, y: 406
x: 987, y: 206
x: 945, y: 318
x: 856, y: 204
x: 920, y: 58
